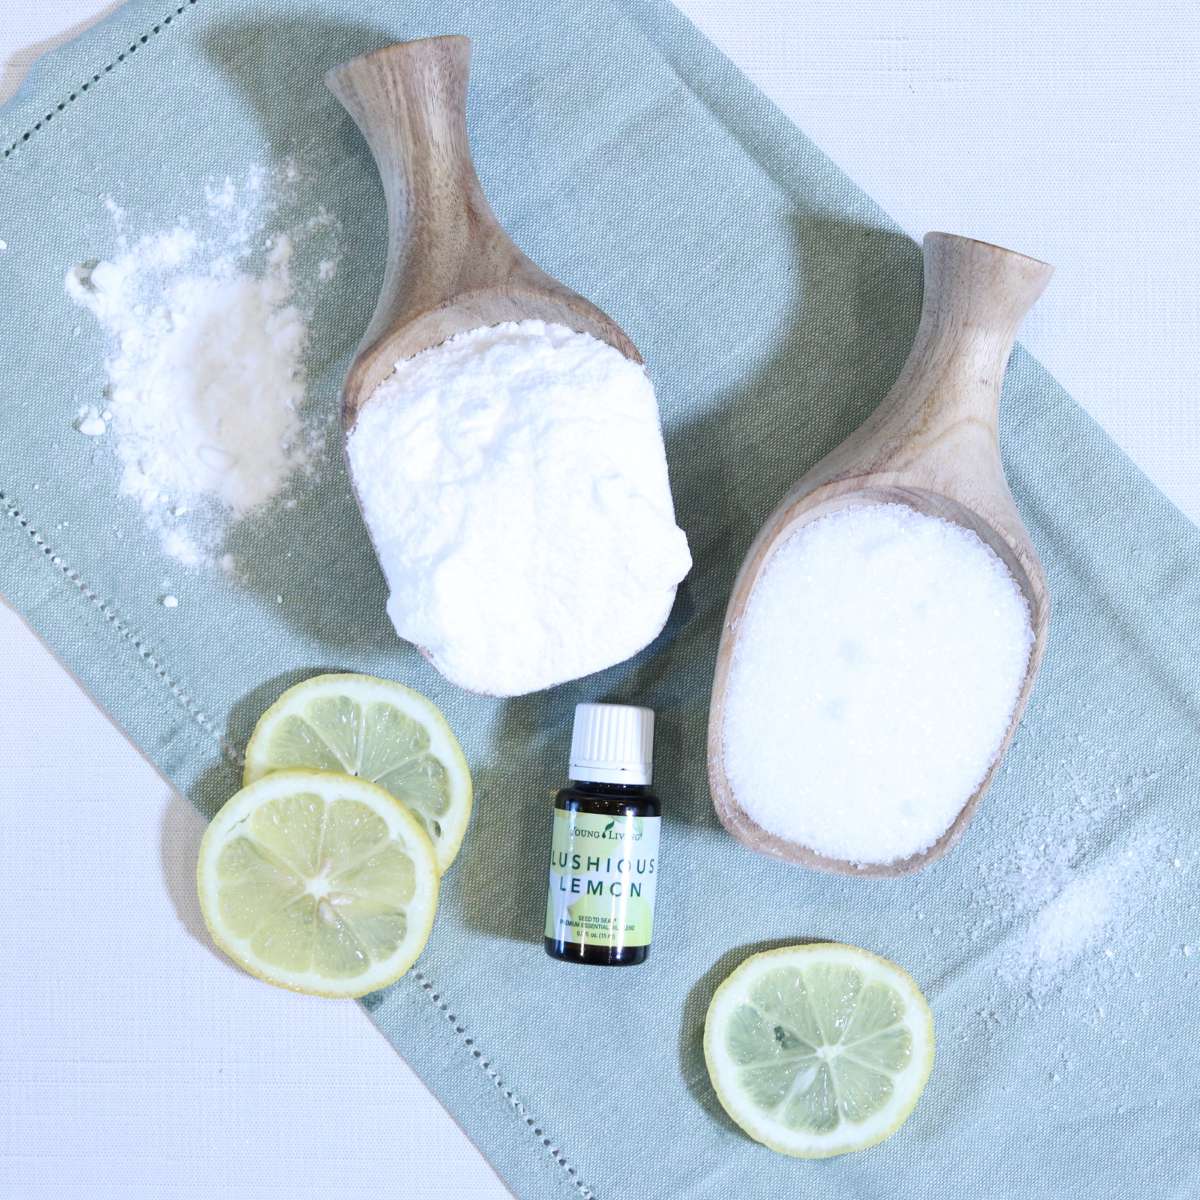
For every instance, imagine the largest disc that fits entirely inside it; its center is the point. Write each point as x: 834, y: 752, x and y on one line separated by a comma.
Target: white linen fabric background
x: 1067, y: 131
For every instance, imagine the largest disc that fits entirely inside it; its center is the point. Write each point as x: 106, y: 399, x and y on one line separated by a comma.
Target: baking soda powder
x: 515, y: 486
x: 206, y: 330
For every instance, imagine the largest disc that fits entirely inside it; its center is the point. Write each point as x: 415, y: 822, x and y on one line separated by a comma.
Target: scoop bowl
x: 933, y: 445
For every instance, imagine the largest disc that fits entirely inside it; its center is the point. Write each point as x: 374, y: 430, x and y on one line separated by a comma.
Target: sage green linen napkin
x: 774, y: 303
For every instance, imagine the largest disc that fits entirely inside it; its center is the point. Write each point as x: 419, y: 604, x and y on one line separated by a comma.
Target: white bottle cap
x: 612, y: 743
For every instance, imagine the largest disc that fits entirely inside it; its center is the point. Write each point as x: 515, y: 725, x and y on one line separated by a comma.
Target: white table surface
x: 135, y: 1061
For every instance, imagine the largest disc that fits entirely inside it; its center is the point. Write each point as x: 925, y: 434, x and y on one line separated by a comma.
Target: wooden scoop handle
x: 975, y: 297
x: 410, y: 101
x: 450, y: 265
x: 937, y: 428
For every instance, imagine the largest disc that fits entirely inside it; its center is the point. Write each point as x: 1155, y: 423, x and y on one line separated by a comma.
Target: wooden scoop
x: 933, y: 444
x: 450, y: 266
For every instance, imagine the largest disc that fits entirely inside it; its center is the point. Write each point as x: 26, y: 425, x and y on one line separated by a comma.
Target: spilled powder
x: 1077, y: 892
x: 1077, y: 917
x: 1079, y: 930
x: 90, y: 422
x: 206, y: 324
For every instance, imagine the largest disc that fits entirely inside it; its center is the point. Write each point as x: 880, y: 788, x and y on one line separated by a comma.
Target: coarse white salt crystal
x: 90, y: 423
x: 874, y: 677
x: 169, y: 601
x: 1073, y: 920
x: 1070, y: 893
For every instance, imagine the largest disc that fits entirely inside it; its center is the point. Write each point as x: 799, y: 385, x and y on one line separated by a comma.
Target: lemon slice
x: 818, y: 1050
x: 377, y: 730
x: 318, y: 882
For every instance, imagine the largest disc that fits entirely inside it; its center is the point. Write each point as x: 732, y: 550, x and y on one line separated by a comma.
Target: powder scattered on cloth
x: 207, y: 329
x: 874, y: 678
x: 1076, y: 917
x: 1065, y: 899
x: 515, y: 486
x: 90, y: 422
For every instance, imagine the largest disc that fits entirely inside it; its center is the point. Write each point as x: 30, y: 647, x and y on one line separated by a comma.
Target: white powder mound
x: 876, y: 672
x: 515, y: 486
x: 205, y: 370
x: 91, y: 422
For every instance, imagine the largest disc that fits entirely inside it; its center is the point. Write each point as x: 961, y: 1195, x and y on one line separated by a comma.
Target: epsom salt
x: 1066, y: 899
x: 875, y: 675
x: 515, y: 486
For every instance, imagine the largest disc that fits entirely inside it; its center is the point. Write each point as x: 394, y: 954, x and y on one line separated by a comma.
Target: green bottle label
x: 602, y: 873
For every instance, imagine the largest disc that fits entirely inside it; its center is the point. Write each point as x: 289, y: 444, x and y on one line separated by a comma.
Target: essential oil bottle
x: 604, y: 852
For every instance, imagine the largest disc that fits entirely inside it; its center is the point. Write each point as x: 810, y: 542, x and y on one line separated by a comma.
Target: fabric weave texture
x: 774, y: 304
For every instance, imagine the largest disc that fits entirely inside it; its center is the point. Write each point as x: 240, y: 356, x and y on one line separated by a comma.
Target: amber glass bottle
x: 604, y: 850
